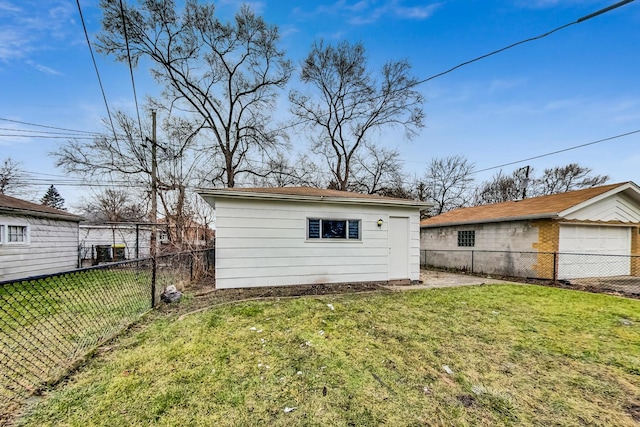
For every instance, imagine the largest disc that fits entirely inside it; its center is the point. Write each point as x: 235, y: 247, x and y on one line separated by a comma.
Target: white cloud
x: 6, y: 6
x: 417, y: 12
x: 257, y: 6
x: 365, y: 12
x: 44, y: 69
x: 500, y: 85
x: 545, y: 4
x: 28, y: 26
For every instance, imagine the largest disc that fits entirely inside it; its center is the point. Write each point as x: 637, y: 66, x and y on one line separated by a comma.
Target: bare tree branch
x: 227, y: 74
x: 349, y: 104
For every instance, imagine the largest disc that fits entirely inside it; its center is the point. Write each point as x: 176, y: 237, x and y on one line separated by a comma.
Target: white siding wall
x: 91, y: 235
x: 618, y: 207
x: 52, y: 247
x: 263, y: 243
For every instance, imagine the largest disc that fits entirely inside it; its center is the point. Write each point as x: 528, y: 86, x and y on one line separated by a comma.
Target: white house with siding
x: 301, y: 235
x: 120, y: 240
x: 35, y: 239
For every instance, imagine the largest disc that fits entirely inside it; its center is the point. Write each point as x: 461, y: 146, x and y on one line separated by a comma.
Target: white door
x: 594, y: 251
x: 398, y: 248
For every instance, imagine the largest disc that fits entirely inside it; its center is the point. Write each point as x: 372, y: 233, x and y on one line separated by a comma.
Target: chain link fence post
x: 471, y: 262
x: 154, y: 268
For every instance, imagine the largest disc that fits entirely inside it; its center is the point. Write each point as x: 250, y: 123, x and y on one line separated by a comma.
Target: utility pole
x: 525, y: 182
x: 154, y: 208
x: 154, y: 184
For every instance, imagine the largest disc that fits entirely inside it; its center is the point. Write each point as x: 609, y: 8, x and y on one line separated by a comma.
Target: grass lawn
x: 45, y: 324
x: 515, y: 355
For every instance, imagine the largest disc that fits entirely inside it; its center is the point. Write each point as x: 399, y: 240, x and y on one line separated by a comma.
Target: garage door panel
x: 594, y: 251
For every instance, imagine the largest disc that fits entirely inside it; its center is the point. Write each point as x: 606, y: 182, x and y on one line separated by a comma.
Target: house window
x: 16, y: 234
x: 467, y: 238
x: 333, y: 229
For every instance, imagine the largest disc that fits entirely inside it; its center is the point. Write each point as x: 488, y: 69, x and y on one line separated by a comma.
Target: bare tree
x: 226, y: 74
x: 448, y: 183
x: 125, y: 159
x: 503, y: 188
x: 122, y: 156
x: 376, y: 170
x: 567, y: 178
x: 281, y: 171
x: 113, y: 205
x: 349, y: 103
x: 522, y: 183
x: 12, y: 177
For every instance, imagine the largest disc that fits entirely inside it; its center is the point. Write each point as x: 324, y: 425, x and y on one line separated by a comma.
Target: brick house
x: 601, y: 224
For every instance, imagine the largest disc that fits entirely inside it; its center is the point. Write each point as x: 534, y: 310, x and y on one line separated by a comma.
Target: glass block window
x: 348, y: 229
x: 467, y: 238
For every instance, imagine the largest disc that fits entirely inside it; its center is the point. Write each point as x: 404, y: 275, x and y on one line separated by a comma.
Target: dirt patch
x: 203, y: 294
x: 634, y: 411
x: 466, y: 400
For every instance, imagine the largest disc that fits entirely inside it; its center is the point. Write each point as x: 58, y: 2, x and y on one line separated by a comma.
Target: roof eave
x: 39, y: 214
x: 316, y: 199
x: 626, y: 186
x: 492, y: 220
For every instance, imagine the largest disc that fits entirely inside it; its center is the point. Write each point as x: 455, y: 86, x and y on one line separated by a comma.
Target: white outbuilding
x: 35, y: 239
x: 300, y: 235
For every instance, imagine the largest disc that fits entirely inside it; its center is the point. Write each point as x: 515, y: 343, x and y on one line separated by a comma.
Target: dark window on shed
x: 467, y: 238
x: 348, y: 229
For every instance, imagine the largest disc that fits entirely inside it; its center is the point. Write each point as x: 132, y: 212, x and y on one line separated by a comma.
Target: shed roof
x: 13, y: 206
x: 311, y: 194
x: 551, y: 206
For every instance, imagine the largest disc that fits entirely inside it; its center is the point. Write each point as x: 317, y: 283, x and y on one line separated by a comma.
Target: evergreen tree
x: 53, y: 199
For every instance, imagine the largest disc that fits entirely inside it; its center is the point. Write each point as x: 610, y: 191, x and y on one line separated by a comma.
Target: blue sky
x: 573, y: 87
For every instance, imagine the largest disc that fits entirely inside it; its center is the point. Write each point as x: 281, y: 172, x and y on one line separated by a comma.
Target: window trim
x: 320, y: 238
x: 468, y: 239
x: 4, y: 229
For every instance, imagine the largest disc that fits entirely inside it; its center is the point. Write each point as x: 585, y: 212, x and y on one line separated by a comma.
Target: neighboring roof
x: 553, y: 206
x: 11, y: 205
x: 311, y: 194
x: 116, y: 225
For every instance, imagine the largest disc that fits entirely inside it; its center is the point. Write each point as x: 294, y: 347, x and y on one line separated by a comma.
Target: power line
x: 580, y: 20
x: 95, y: 66
x: 48, y: 127
x: 42, y: 132
x: 548, y: 33
x: 133, y: 83
x: 12, y: 135
x: 538, y: 37
x: 559, y: 151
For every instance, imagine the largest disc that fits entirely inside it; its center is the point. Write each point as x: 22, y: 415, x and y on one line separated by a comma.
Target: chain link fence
x: 595, y: 272
x: 49, y: 323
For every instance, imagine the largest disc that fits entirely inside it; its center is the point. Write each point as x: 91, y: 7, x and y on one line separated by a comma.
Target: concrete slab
x: 440, y: 279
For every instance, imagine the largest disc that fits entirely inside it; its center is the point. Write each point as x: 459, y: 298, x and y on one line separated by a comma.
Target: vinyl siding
x: 618, y: 207
x: 264, y: 243
x: 92, y: 235
x: 52, y: 247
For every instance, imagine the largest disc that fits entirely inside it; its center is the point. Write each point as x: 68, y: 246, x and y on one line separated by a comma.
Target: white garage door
x: 594, y: 251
